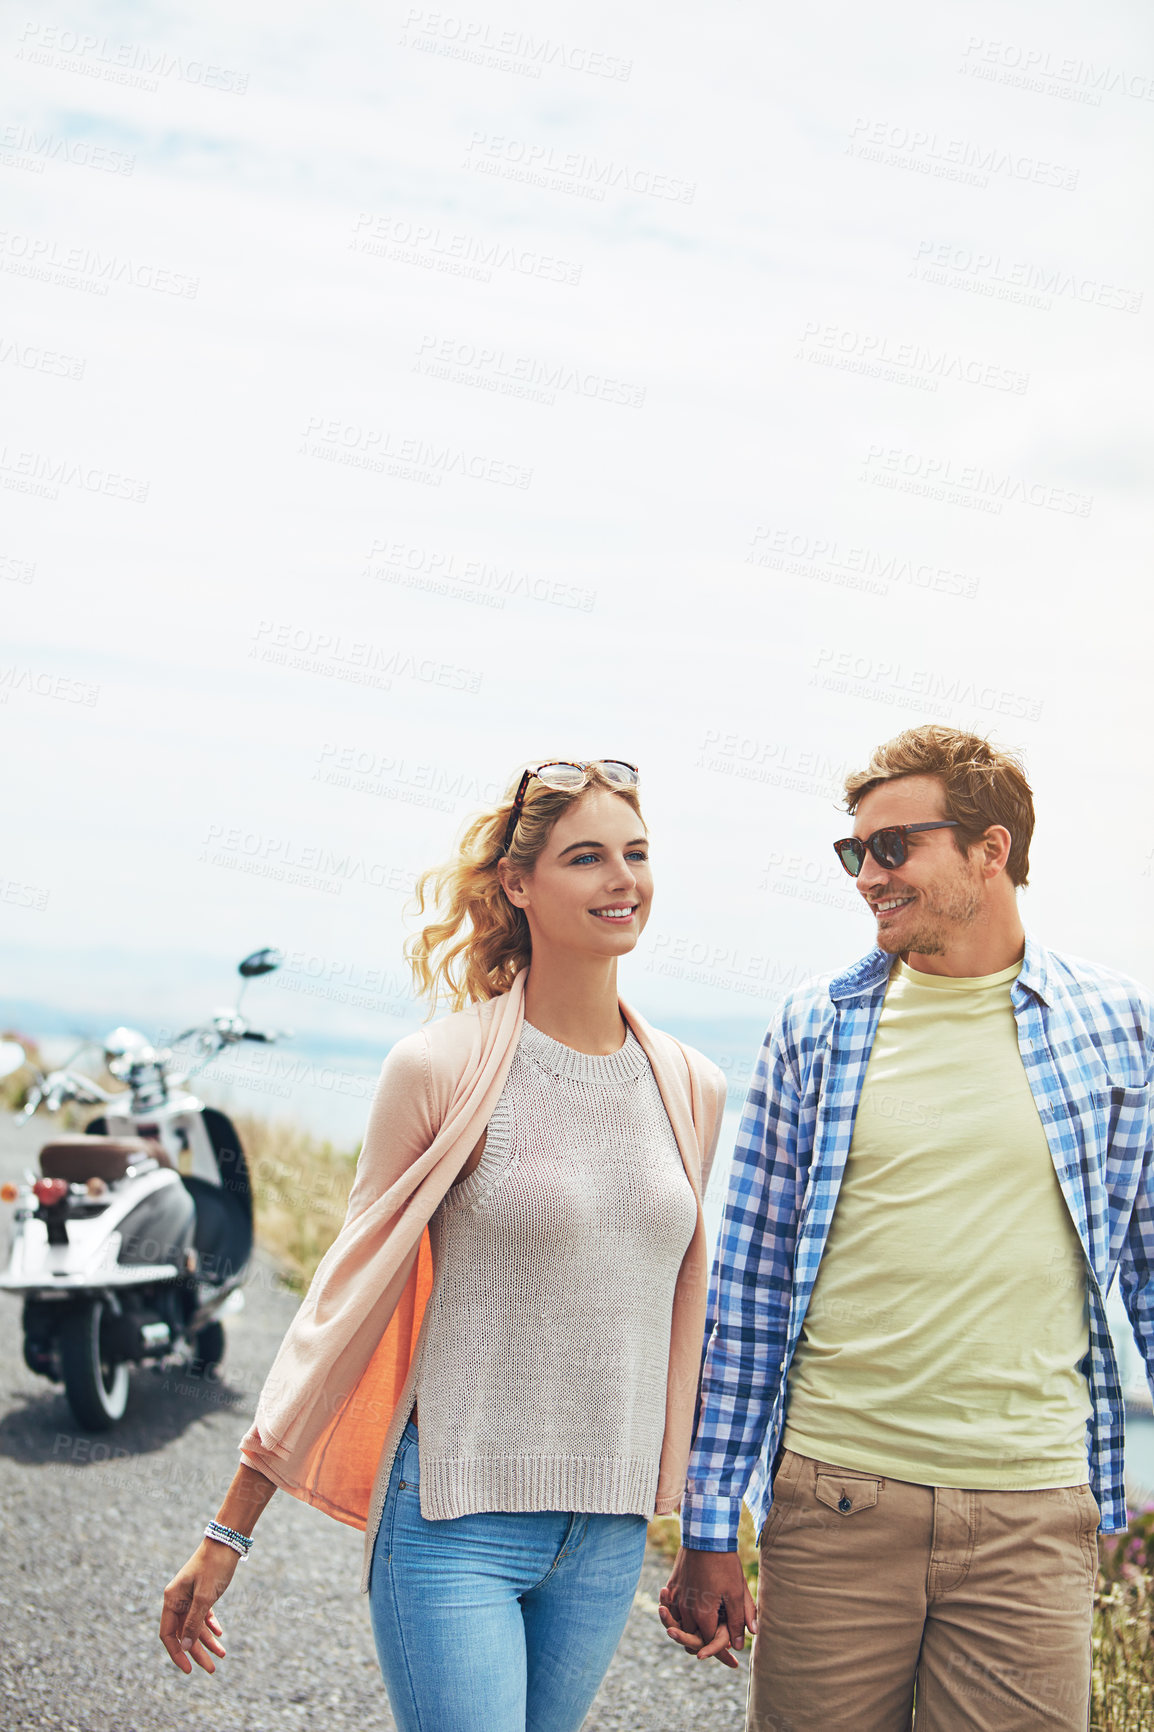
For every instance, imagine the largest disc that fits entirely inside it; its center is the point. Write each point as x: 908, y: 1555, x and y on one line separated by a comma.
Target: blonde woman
x: 495, y: 1368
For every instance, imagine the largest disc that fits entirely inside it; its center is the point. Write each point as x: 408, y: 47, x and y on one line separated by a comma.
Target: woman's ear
x: 512, y: 882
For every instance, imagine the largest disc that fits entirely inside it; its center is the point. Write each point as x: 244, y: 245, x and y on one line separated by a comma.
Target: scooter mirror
x: 260, y: 962
x: 12, y: 1056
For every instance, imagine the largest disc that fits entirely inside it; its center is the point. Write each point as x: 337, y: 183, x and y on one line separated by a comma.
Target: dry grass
x: 1123, y: 1694
x: 300, y: 1187
x: 14, y: 1088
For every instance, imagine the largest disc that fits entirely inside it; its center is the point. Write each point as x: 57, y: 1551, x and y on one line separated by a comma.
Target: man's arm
x: 745, y: 1336
x: 1136, y: 1265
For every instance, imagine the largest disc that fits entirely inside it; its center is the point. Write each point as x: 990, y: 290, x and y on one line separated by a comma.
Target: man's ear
x: 512, y: 883
x: 994, y: 849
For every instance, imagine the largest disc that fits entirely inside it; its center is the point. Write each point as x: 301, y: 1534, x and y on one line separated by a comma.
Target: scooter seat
x: 80, y: 1157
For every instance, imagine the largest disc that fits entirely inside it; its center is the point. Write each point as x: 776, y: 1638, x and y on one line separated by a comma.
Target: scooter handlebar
x: 60, y: 1086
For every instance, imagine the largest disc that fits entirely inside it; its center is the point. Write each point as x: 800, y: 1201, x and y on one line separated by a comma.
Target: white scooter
x: 135, y: 1236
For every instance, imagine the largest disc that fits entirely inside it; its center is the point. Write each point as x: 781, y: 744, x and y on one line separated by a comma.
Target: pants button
x: 844, y: 1504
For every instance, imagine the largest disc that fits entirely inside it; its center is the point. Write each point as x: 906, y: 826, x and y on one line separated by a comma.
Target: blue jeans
x: 497, y: 1622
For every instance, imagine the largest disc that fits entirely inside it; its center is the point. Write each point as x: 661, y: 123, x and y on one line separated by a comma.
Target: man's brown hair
x: 983, y: 785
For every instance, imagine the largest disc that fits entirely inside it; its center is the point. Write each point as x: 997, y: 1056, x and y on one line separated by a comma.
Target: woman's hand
x: 705, y: 1598
x: 189, y: 1628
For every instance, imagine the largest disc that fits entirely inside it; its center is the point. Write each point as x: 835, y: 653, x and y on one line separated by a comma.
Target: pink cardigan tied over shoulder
x: 338, y: 1394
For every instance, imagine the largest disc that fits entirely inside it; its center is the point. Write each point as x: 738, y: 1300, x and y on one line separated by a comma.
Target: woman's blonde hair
x: 480, y: 941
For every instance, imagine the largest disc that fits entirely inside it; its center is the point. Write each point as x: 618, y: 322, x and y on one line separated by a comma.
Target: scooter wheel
x: 96, y: 1384
x: 209, y: 1350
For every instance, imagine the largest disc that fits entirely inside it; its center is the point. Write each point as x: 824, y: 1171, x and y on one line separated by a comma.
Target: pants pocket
x: 847, y: 1493
x: 1088, y: 1517
x: 784, y: 1488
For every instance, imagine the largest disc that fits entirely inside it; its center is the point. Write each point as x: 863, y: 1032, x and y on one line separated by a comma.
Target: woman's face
x: 591, y: 887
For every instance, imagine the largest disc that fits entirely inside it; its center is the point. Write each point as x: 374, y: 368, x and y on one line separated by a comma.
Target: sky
x: 396, y: 396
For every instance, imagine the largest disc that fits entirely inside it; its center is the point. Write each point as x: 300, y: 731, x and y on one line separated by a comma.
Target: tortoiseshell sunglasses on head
x: 559, y: 774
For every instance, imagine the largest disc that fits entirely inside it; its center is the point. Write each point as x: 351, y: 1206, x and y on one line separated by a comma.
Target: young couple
x: 498, y: 1370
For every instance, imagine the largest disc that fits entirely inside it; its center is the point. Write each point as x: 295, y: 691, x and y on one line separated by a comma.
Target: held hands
x: 189, y: 1628
x: 706, y: 1605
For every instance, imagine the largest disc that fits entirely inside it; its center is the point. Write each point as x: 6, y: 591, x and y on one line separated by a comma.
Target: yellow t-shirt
x: 950, y: 1311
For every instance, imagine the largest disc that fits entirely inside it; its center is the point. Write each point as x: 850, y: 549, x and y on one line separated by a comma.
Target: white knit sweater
x: 543, y: 1374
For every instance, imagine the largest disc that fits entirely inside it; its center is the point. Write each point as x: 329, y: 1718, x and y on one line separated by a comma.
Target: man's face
x: 931, y: 901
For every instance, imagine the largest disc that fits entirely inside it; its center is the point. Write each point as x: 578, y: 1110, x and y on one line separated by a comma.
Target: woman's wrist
x: 243, y: 1502
x: 231, y: 1537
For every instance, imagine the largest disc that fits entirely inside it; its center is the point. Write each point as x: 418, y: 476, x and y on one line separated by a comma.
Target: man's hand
x: 706, y: 1605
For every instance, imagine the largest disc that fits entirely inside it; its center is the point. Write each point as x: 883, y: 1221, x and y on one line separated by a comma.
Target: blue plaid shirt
x: 1085, y: 1035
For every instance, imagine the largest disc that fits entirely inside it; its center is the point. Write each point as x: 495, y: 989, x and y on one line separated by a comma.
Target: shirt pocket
x: 1103, y: 1122
x: 1123, y: 1116
x: 1127, y: 1110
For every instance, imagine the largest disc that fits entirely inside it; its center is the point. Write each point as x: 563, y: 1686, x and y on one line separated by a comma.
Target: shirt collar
x: 874, y: 969
x: 1034, y: 975
x: 864, y: 977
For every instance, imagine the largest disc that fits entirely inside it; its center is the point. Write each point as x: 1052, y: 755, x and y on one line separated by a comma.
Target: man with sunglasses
x: 945, y: 1157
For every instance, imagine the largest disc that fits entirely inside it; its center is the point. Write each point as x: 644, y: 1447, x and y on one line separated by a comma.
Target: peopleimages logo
x: 129, y: 63
x: 1020, y: 281
x: 1030, y: 67
x: 968, y: 484
x: 895, y: 682
x: 851, y: 566
x: 571, y: 171
x: 479, y: 42
x: 874, y: 355
x: 959, y: 159
x: 25, y: 147
x: 33, y: 359
x: 483, y: 582
x: 50, y: 260
x: 383, y: 451
x: 489, y: 367
x: 403, y: 241
x: 40, y: 683
x: 356, y: 661
x: 43, y: 475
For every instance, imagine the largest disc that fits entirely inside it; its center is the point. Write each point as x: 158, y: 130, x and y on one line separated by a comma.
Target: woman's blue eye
x: 581, y: 859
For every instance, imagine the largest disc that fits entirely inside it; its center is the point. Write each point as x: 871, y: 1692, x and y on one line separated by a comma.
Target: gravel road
x: 92, y: 1527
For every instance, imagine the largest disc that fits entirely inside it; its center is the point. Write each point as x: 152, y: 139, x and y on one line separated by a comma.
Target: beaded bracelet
x: 228, y: 1536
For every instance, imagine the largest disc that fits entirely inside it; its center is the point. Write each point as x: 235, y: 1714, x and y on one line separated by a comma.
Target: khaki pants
x: 867, y: 1585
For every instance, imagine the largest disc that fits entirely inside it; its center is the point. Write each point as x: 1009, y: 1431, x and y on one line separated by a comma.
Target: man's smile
x: 890, y: 904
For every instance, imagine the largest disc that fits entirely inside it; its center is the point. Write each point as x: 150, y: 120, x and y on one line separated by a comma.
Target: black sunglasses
x: 888, y: 847
x: 559, y: 774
